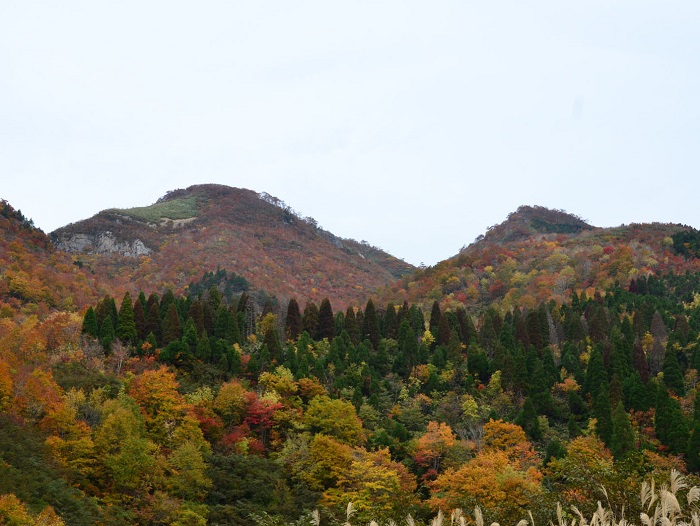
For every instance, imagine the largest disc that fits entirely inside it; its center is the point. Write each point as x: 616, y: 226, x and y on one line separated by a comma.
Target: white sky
x: 412, y: 125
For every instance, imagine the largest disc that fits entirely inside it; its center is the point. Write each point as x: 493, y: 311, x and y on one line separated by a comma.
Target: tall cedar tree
x: 172, y: 329
x: 292, y: 323
x: 603, y: 414
x: 126, y: 327
x: 370, y: 325
x: 90, y: 323
x: 444, y: 332
x: 196, y: 313
x: 693, y: 450
x: 140, y: 319
x: 596, y: 375
x: 391, y: 325
x: 435, y: 315
x: 153, y: 323
x: 673, y: 377
x: 309, y: 320
x: 107, y: 333
x: 351, y: 325
x: 326, y: 321
x: 622, y: 441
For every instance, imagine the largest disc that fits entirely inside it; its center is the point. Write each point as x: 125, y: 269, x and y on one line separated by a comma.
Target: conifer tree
x: 140, y: 319
x: 189, y: 336
x: 203, y: 348
x: 339, y: 322
x: 309, y: 320
x: 407, y: 357
x: 444, y: 332
x: 435, y: 316
x: 692, y: 456
x: 639, y: 361
x: 635, y: 393
x: 196, y: 313
x: 596, y: 374
x: 351, y: 326
x: 622, y: 441
x: 171, y: 329
x: 126, y: 326
x: 292, y: 323
x: 527, y: 419
x: 165, y: 302
x: 391, y: 327
x: 107, y: 333
x: 370, y: 325
x: 673, y: 377
x: 153, y: 323
x: 466, y: 326
x: 326, y: 321
x: 90, y: 323
x: 603, y: 415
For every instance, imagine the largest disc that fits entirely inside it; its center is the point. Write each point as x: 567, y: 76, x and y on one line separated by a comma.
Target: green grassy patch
x: 181, y: 208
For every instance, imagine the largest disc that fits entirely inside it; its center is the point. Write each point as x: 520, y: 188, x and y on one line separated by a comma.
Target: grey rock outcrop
x: 100, y: 243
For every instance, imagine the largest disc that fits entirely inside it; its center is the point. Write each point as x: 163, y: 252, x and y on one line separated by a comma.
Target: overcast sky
x: 411, y: 125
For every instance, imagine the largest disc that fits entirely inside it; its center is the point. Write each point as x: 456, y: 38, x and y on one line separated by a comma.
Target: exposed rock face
x: 100, y: 243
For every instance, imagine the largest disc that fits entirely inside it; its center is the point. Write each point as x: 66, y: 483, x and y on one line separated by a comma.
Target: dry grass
x: 662, y: 507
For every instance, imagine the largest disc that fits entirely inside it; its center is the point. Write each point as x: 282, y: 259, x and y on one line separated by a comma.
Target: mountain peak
x: 529, y: 221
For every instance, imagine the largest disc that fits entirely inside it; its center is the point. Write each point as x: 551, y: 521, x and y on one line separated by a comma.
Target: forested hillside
x: 210, y: 227
x: 538, y: 254
x: 218, y: 404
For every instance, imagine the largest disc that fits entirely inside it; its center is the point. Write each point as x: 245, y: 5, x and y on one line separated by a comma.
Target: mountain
x: 538, y: 254
x: 208, y: 227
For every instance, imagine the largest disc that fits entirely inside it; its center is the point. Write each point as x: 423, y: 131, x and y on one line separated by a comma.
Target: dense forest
x: 221, y: 403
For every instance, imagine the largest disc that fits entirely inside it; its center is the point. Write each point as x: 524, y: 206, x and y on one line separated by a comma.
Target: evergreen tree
x: 326, y: 321
x: 673, y: 377
x: 171, y: 329
x: 435, y: 316
x: 126, y: 326
x: 391, y: 327
x: 90, y: 323
x: 444, y: 332
x: 407, y: 357
x: 189, y: 336
x: 692, y: 460
x: 662, y: 415
x: 309, y: 320
x: 203, y: 348
x: 196, y: 313
x: 165, y: 302
x: 370, y: 325
x: 639, y: 361
x: 635, y: 393
x: 107, y: 333
x: 603, y: 415
x: 153, y: 320
x: 465, y: 325
x: 527, y: 419
x: 351, y: 326
x: 272, y: 342
x: 596, y: 374
x: 679, y: 432
x: 140, y: 318
x: 622, y: 441
x: 292, y: 323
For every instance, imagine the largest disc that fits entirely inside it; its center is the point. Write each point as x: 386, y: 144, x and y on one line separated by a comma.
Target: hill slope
x: 205, y: 227
x: 538, y: 254
x: 34, y: 277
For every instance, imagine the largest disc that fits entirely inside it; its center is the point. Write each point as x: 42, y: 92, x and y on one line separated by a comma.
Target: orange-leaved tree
x: 502, y: 478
